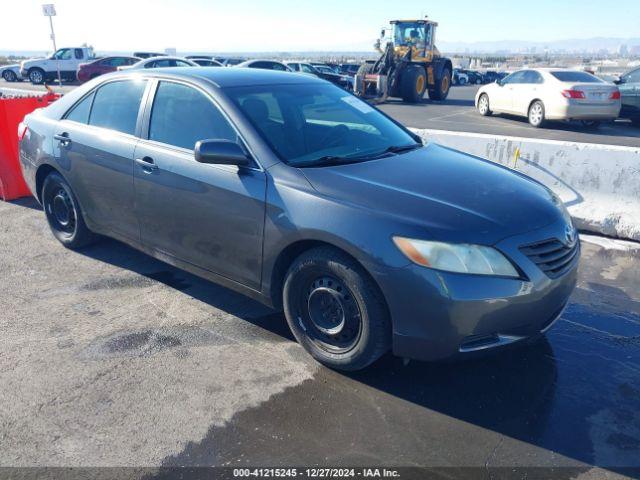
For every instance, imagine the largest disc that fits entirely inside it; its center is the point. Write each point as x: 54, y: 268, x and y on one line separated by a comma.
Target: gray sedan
x: 11, y: 73
x: 296, y: 193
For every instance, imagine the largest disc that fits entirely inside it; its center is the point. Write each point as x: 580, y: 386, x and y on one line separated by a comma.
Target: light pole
x: 49, y: 10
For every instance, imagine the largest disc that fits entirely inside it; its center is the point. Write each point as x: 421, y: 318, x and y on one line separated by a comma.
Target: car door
x: 62, y: 59
x: 211, y: 216
x: 525, y: 90
x: 94, y: 144
x: 630, y: 94
x: 512, y: 86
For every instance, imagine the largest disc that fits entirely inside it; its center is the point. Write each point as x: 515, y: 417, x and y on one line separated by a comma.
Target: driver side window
x: 632, y: 77
x: 514, y: 78
x: 182, y: 115
x: 63, y: 54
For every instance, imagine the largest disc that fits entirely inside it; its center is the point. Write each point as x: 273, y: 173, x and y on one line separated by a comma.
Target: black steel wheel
x: 63, y: 213
x: 335, y: 310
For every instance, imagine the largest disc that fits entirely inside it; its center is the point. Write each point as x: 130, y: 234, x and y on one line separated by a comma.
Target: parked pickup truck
x: 40, y: 70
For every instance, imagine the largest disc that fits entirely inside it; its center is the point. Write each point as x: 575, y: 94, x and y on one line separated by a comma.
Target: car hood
x: 446, y: 194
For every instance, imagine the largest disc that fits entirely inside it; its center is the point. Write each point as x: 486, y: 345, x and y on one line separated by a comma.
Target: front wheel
x: 36, y: 76
x: 413, y: 83
x: 483, y: 105
x: 9, y: 76
x: 63, y: 213
x: 536, y: 114
x: 335, y: 310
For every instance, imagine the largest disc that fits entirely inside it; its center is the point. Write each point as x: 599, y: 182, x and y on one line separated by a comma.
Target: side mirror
x: 499, y: 82
x: 221, y: 152
x: 618, y: 80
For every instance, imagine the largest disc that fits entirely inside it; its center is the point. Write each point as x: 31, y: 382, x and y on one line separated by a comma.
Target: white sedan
x: 551, y: 94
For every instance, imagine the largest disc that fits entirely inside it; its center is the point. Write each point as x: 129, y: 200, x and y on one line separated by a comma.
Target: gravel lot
x: 111, y: 358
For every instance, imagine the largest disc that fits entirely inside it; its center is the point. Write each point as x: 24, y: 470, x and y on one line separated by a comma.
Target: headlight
x: 459, y: 257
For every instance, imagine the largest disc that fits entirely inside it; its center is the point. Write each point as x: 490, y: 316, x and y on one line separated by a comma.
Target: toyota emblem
x: 570, y: 235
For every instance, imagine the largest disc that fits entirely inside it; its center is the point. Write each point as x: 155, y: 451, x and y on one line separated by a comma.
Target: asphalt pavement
x: 458, y: 113
x: 111, y: 358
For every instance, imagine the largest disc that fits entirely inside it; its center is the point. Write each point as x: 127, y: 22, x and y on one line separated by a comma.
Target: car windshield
x: 581, y: 77
x: 315, y: 124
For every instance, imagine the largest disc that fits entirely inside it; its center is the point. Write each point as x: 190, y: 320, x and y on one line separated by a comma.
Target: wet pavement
x: 111, y: 358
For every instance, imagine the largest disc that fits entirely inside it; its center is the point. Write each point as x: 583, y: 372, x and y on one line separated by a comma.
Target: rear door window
x: 116, y: 105
x: 531, y: 76
x: 182, y: 115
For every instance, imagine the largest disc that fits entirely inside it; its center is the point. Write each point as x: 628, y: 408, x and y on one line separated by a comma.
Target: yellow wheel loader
x: 410, y: 65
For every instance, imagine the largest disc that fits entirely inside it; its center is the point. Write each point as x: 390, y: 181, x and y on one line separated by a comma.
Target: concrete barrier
x: 600, y: 184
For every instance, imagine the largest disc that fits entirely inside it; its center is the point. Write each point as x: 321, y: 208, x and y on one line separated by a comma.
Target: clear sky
x: 303, y: 25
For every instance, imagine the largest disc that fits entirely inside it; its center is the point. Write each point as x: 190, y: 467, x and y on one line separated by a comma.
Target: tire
x: 484, y: 105
x: 535, y: 114
x: 591, y: 124
x: 413, y: 83
x: 36, y: 76
x: 443, y: 84
x: 10, y: 76
x: 63, y: 213
x: 365, y: 68
x: 335, y: 310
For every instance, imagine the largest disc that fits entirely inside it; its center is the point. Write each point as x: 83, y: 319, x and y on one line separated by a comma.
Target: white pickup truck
x: 40, y: 70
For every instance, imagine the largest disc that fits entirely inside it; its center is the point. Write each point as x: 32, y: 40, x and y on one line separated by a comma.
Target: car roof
x: 230, y: 77
x: 255, y: 60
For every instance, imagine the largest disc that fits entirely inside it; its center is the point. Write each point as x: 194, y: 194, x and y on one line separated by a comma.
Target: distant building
x: 623, y: 51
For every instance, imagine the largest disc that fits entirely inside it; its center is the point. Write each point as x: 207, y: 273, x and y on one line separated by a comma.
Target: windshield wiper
x: 327, y: 161
x: 402, y: 148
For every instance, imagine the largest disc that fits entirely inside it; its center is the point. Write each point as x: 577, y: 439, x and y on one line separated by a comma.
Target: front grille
x: 552, y: 256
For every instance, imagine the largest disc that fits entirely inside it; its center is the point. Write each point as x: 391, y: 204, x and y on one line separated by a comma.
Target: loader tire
x: 442, y: 86
x: 413, y: 84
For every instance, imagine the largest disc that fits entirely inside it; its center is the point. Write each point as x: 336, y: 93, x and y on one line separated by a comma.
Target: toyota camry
x: 296, y: 193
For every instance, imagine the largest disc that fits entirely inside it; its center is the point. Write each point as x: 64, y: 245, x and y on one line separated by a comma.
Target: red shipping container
x: 12, y: 111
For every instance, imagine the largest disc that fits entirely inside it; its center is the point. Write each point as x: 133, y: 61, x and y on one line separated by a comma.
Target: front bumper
x: 438, y: 315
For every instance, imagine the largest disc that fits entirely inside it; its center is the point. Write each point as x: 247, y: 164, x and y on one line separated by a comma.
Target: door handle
x: 147, y: 164
x: 63, y: 138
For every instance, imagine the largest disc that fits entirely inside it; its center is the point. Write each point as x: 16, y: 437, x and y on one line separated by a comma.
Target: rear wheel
x: 335, y: 311
x: 413, y: 83
x: 64, y: 214
x: 36, y: 76
x: 442, y: 86
x: 483, y: 105
x: 10, y: 76
x: 536, y: 114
